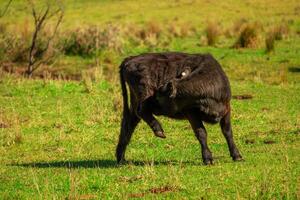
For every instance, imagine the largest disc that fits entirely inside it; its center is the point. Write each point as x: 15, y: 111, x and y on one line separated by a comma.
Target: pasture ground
x: 57, y: 138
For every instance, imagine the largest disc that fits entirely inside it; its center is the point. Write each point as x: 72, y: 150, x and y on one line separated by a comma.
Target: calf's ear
x: 172, y: 89
x: 169, y: 89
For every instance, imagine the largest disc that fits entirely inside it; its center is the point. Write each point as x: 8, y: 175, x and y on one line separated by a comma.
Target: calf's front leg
x: 201, y: 135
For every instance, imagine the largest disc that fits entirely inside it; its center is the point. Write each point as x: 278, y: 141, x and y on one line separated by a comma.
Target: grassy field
x: 59, y: 142
x: 197, y: 12
x: 57, y: 137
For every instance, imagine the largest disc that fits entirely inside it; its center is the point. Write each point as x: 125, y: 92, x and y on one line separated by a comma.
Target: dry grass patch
x: 180, y: 29
x: 280, y: 31
x: 212, y: 32
x: 87, y: 41
x: 248, y: 37
x: 276, y: 33
x: 270, y: 42
x: 236, y: 28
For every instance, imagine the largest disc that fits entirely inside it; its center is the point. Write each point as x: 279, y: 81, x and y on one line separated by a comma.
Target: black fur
x: 176, y: 85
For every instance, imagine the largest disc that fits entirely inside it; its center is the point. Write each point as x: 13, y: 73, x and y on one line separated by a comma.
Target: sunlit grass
x: 68, y: 138
x: 57, y: 138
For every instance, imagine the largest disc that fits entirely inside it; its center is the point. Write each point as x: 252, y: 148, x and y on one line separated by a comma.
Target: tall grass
x: 212, y: 32
x: 276, y: 33
x: 270, y: 42
x: 15, y: 44
x: 86, y: 41
x: 248, y: 37
x: 280, y: 31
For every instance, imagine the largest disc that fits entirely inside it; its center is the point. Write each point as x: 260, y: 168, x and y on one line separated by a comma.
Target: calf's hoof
x: 208, y: 161
x: 120, y: 156
x: 121, y: 161
x: 238, y: 159
x: 159, y: 134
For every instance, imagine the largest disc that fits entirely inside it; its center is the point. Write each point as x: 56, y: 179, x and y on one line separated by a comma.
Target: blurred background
x: 252, y: 39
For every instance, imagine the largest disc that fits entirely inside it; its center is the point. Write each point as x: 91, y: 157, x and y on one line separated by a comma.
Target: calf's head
x: 169, y: 89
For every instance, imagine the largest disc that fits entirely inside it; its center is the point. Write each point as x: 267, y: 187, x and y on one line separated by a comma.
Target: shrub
x: 248, y: 37
x: 14, y: 45
x: 80, y: 41
x: 111, y: 38
x: 87, y: 41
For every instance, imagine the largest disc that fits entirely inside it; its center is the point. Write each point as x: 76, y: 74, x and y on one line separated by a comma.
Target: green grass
x: 57, y: 138
x: 60, y: 142
x: 195, y: 12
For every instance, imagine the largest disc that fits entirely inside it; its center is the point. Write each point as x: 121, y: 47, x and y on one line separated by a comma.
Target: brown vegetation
x: 105, y: 43
x: 180, y: 29
x: 280, y: 31
x: 270, y: 42
x: 248, y: 37
x: 3, y: 125
x: 276, y: 33
x: 236, y: 28
x: 212, y: 33
x: 87, y: 41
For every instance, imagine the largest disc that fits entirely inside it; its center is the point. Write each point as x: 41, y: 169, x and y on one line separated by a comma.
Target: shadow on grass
x: 99, y: 164
x: 294, y: 69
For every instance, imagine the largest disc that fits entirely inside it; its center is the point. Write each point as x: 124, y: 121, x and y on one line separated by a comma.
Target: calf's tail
x: 126, y: 111
x: 125, y: 134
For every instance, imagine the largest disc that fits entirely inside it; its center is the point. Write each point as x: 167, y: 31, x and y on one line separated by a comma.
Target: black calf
x: 179, y: 86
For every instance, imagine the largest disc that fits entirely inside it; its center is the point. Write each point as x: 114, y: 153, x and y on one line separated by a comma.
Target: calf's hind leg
x: 201, y: 135
x: 227, y: 132
x: 128, y: 125
x: 144, y: 111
